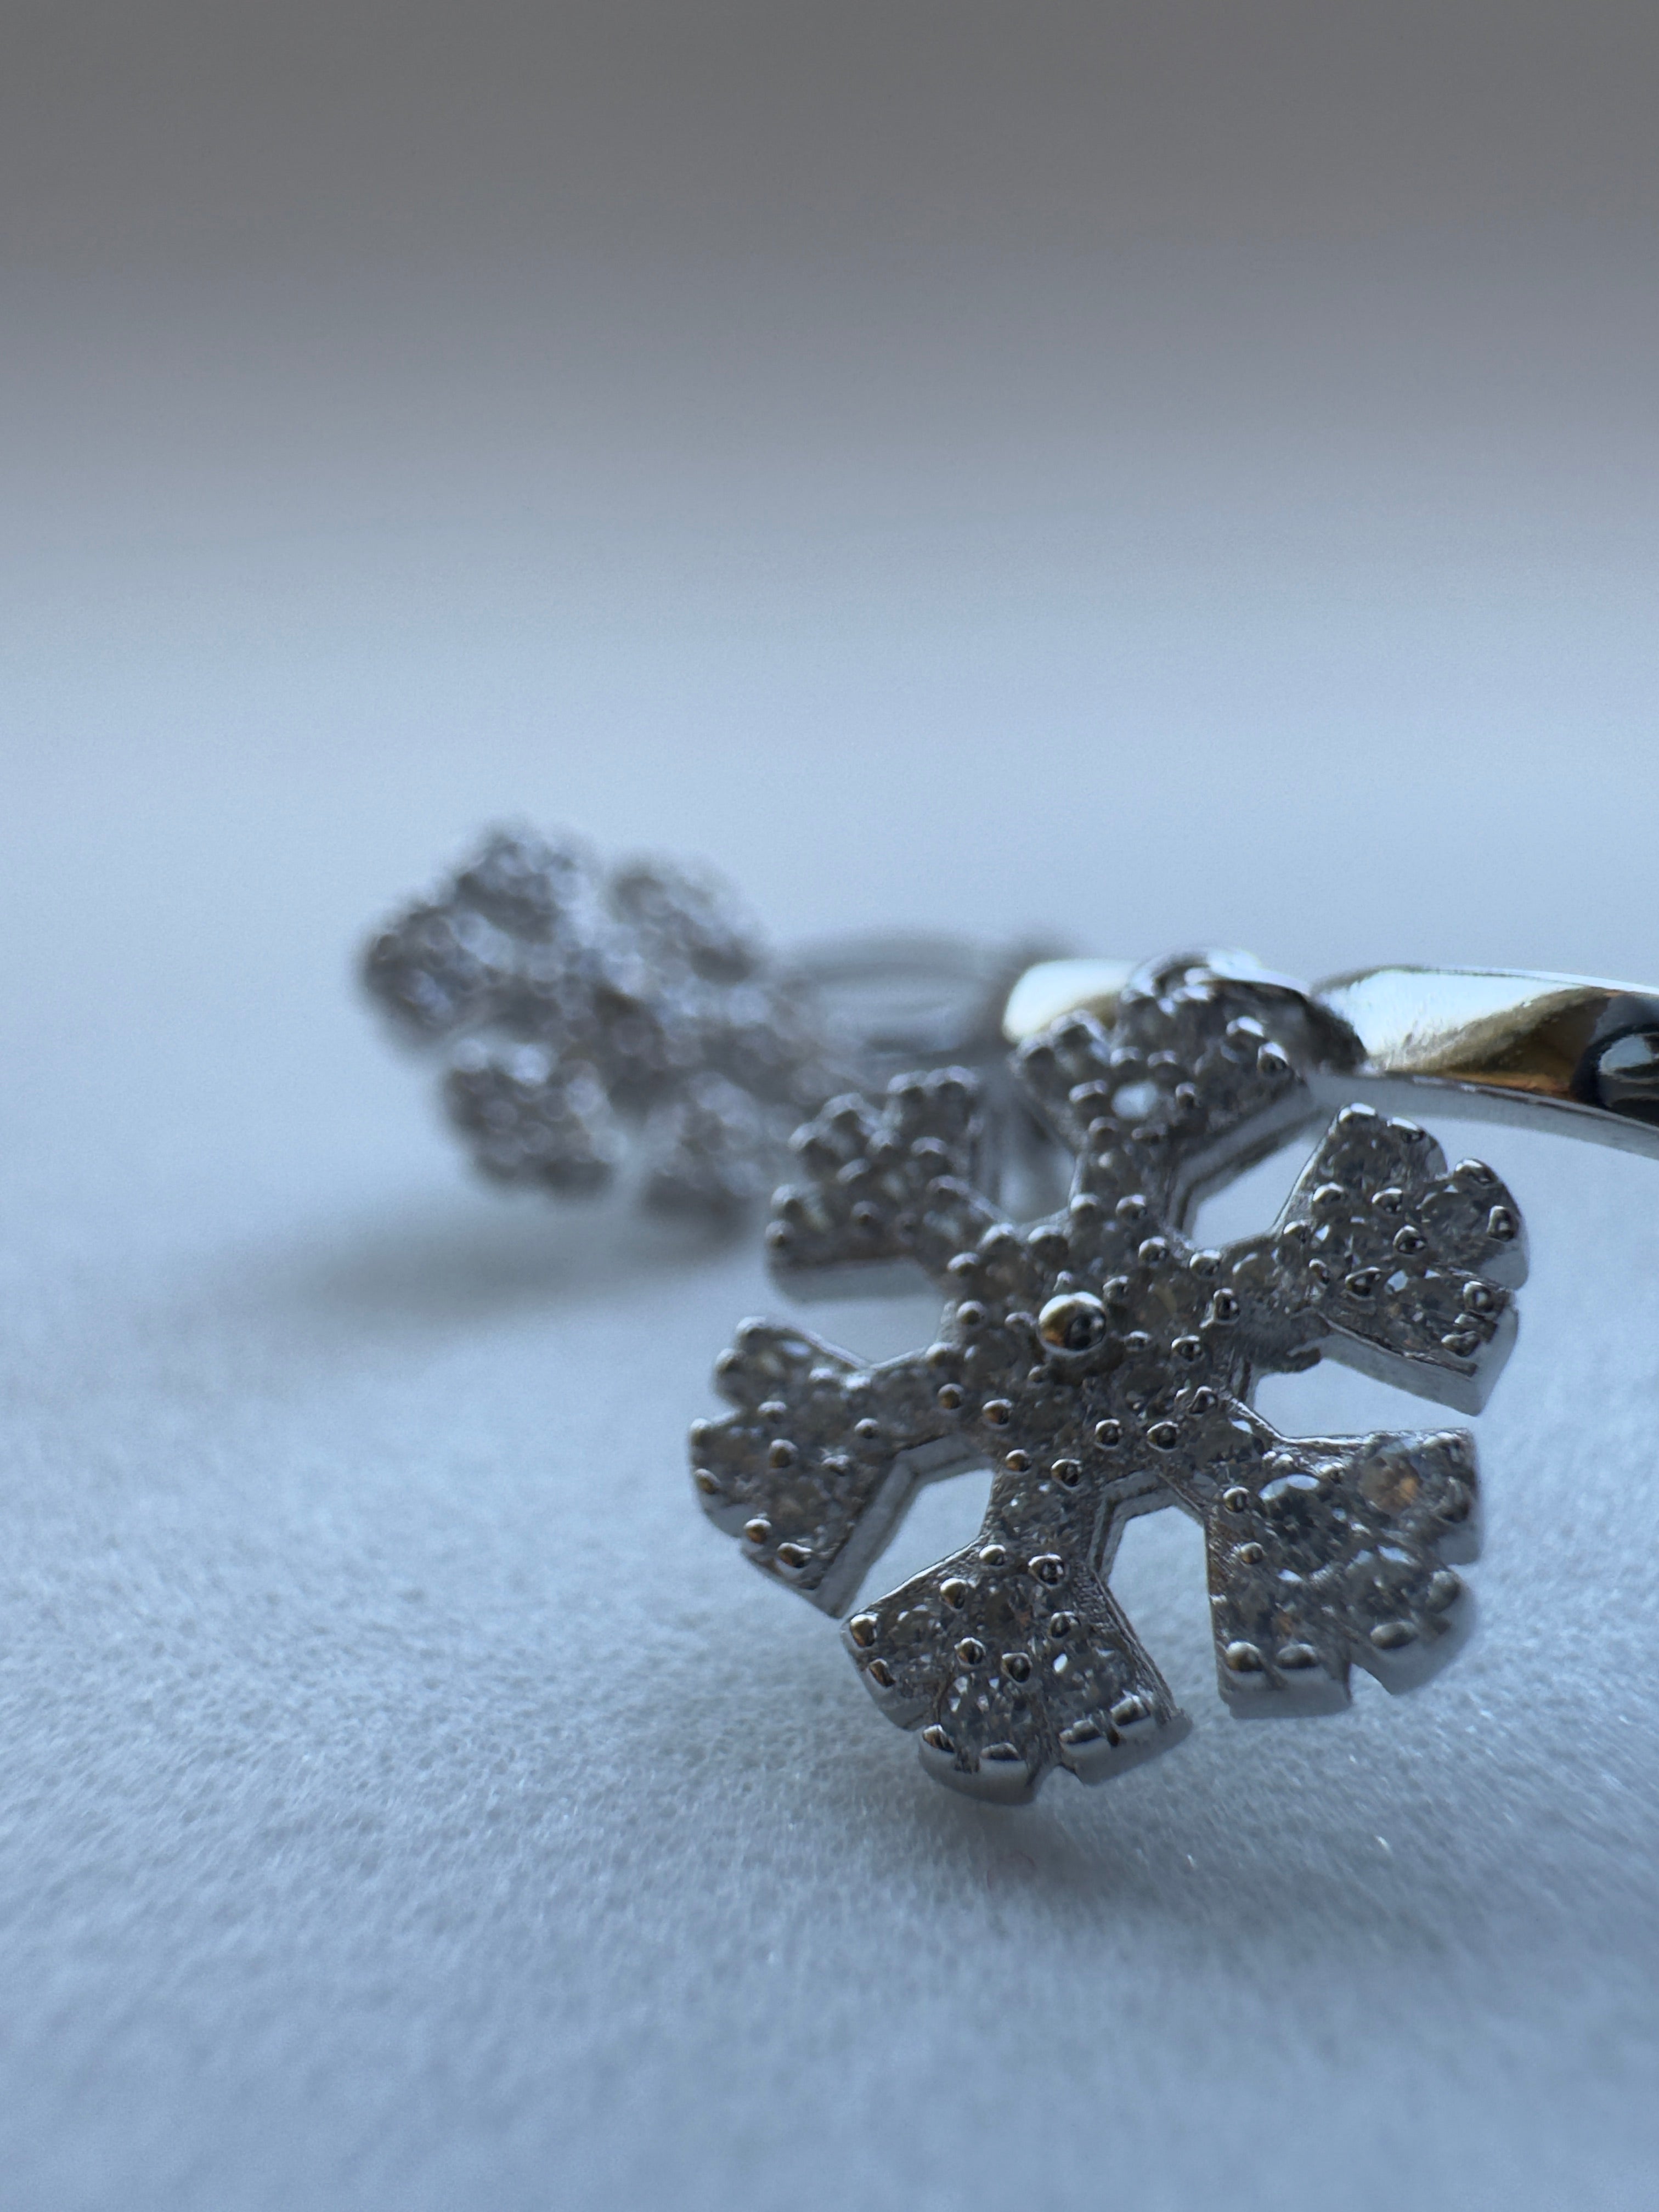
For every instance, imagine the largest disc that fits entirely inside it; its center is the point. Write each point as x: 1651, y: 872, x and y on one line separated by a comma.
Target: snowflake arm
x: 885, y: 1188
x: 451, y: 962
x: 531, y: 1120
x: 1013, y: 1657
x: 817, y: 1465
x: 1328, y: 1553
x: 436, y: 971
x: 1388, y: 1262
x: 1201, y: 1075
x: 686, y: 915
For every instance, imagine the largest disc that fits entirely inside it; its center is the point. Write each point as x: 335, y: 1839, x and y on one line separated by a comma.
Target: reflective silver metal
x: 1563, y: 1053
x: 1104, y: 1367
x: 1558, y: 1052
x: 588, y: 1014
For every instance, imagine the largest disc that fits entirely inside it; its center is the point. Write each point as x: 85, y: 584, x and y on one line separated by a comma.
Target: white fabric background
x: 407, y: 1801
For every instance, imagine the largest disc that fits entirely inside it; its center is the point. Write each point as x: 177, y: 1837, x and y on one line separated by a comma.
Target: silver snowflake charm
x: 578, y: 1004
x: 1104, y: 1366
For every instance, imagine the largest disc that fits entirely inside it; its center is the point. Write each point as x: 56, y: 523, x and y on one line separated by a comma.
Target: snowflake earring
x: 586, y: 1015
x: 1103, y: 1365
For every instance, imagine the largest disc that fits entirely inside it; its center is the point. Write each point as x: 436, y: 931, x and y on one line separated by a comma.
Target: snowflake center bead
x: 1073, y: 1322
x: 1104, y: 1368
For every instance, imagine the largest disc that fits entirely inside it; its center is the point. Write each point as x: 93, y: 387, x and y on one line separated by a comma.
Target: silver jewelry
x: 1104, y: 1366
x: 1566, y: 1054
x: 580, y: 1009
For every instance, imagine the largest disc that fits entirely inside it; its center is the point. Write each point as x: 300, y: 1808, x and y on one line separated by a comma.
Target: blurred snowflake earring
x: 593, y: 1019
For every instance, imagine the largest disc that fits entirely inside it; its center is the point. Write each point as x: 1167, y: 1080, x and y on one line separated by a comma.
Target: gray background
x: 1156, y: 473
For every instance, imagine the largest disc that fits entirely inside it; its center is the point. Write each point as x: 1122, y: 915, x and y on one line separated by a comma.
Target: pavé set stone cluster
x: 1103, y: 1365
